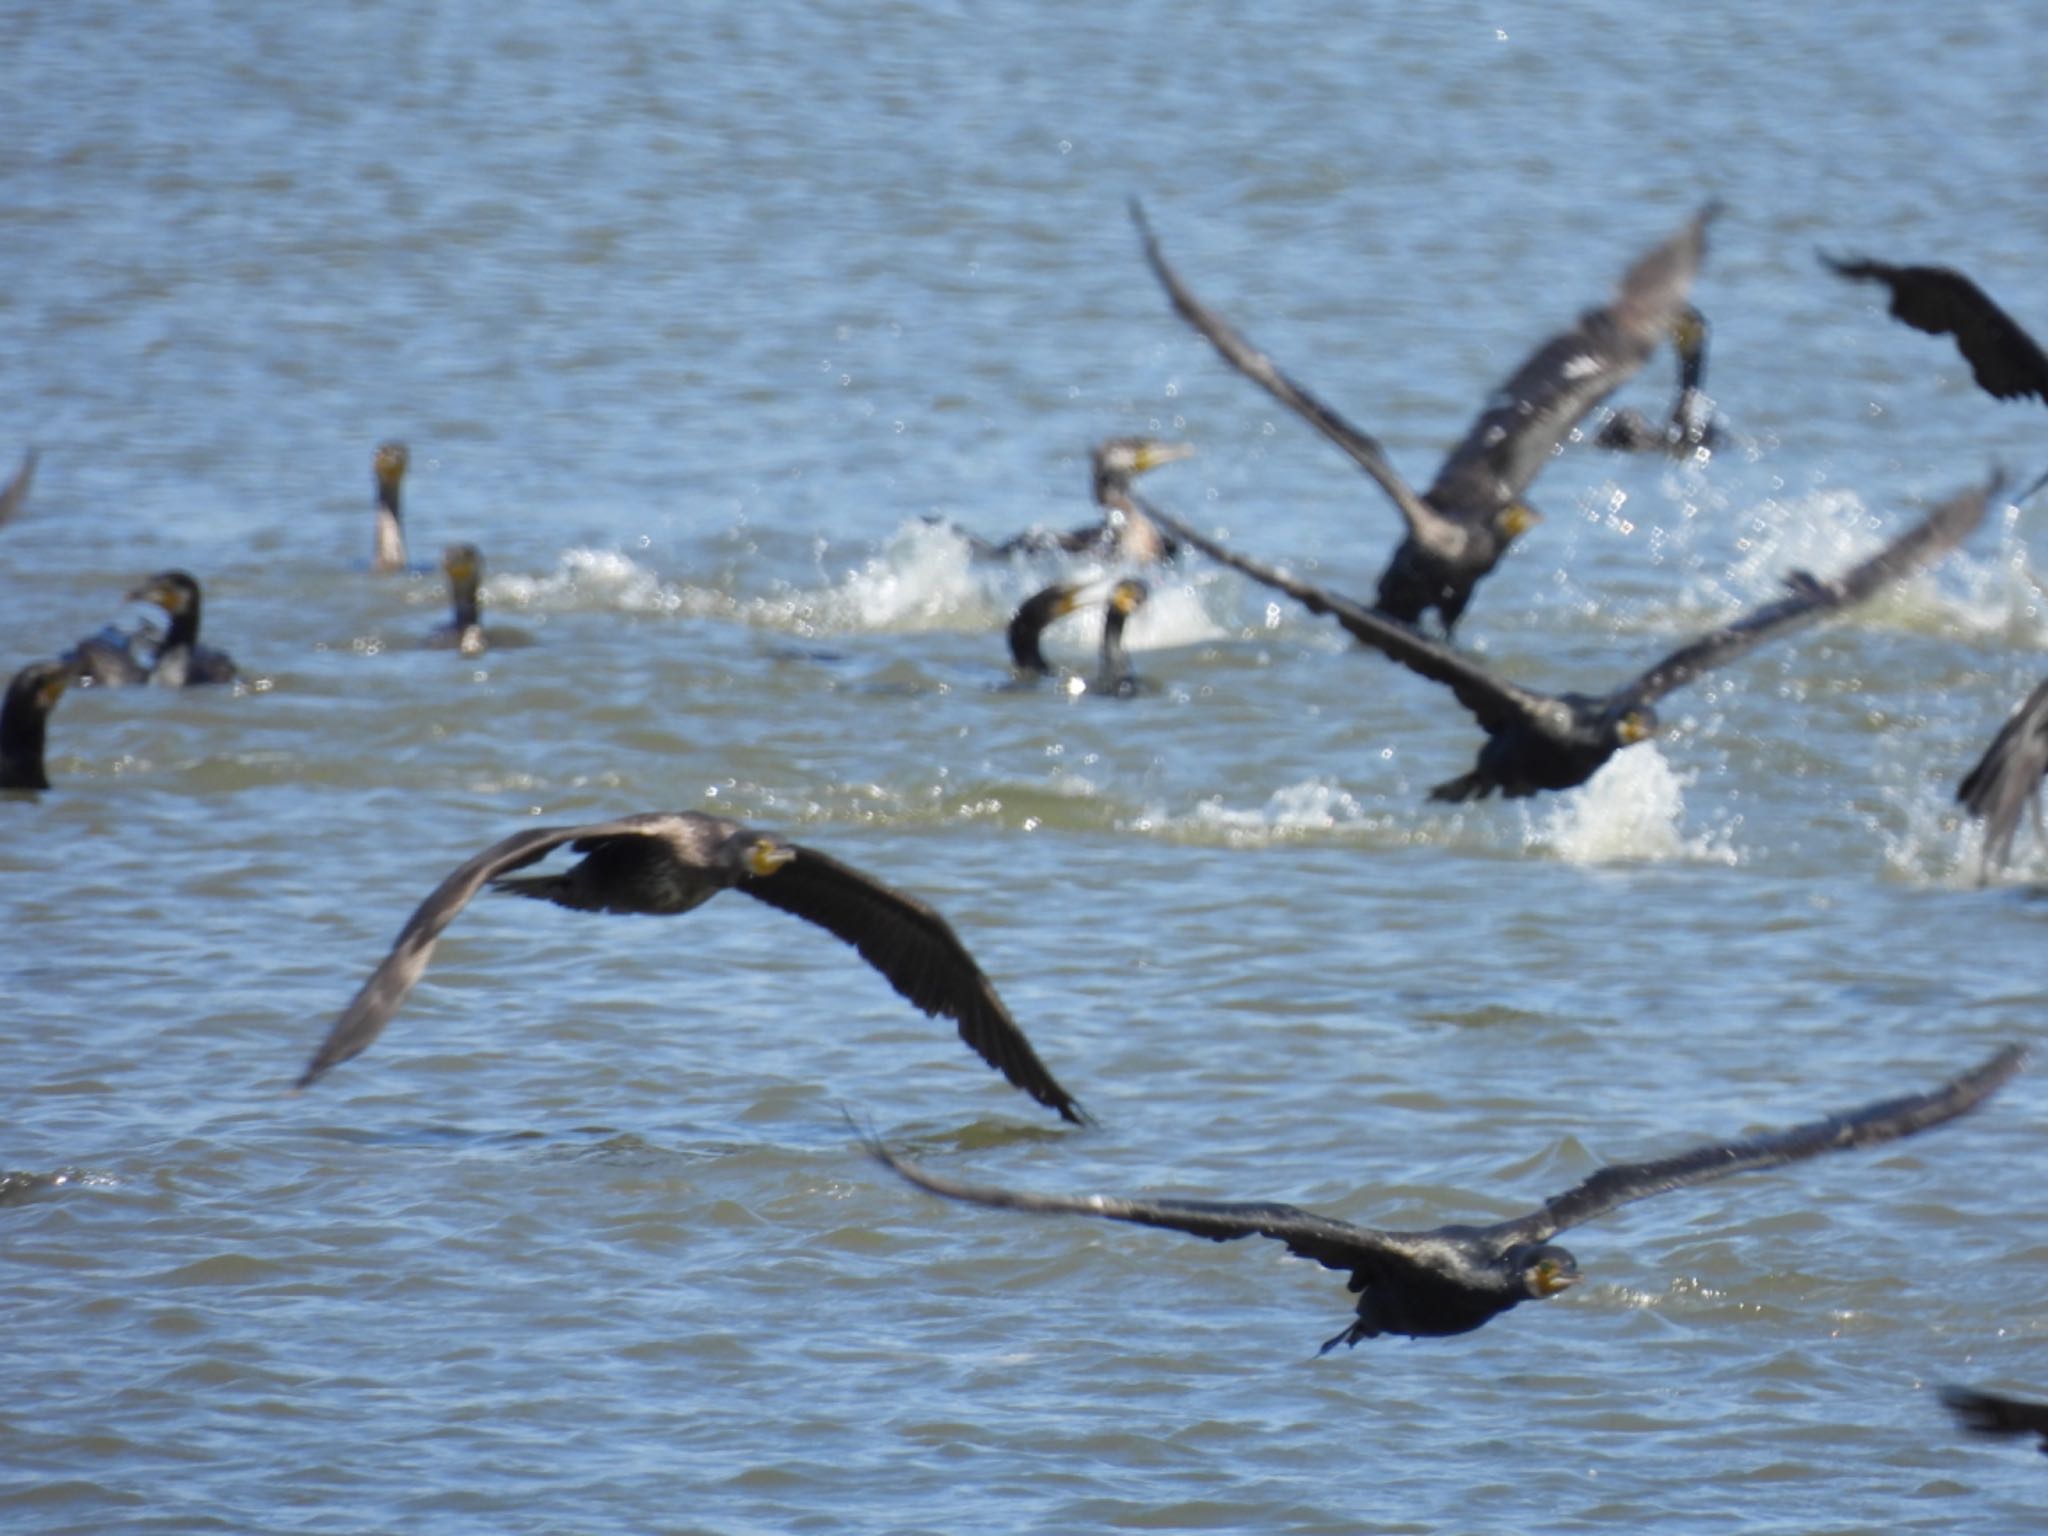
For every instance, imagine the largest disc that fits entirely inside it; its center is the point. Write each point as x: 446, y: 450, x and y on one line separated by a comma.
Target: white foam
x: 1631, y: 811
x: 1314, y: 805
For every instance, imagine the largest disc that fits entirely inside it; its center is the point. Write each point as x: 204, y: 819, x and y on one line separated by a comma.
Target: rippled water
x: 691, y: 320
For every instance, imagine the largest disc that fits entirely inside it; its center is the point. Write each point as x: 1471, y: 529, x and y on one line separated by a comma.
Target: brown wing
x: 1527, y: 418
x: 379, y: 998
x: 917, y: 950
x: 1927, y: 540
x: 1493, y: 701
x: 1333, y: 1244
x: 2008, y: 776
x: 1363, y: 447
x: 1869, y: 1126
x: 2005, y: 360
x: 14, y: 496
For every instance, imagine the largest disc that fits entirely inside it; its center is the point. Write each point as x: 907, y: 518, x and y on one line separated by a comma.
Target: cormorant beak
x: 164, y: 595
x: 1152, y: 455
x: 765, y: 857
x: 1635, y: 726
x: 1552, y: 1277
x: 1127, y: 597
x: 391, y: 461
x: 52, y: 690
x: 1519, y: 519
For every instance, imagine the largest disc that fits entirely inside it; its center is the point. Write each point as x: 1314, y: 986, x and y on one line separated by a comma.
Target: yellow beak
x: 765, y: 857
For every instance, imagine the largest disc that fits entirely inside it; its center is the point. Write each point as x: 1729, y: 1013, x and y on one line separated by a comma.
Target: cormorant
x: 14, y: 495
x: 1455, y: 1278
x: 30, y: 697
x: 1114, y: 674
x: 1123, y: 532
x: 2005, y: 360
x: 390, y: 464
x: 181, y: 661
x: 1537, y: 741
x: 464, y: 564
x: 661, y: 863
x: 2007, y: 779
x: 1987, y: 1413
x: 1460, y: 527
x: 1691, y: 426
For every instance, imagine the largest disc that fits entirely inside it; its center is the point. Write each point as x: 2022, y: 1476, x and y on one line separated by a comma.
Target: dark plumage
x: 2005, y: 360
x: 181, y: 661
x: 1460, y: 527
x: 1690, y: 427
x: 661, y: 863
x: 31, y: 696
x: 1114, y: 674
x: 14, y: 495
x: 1456, y: 1278
x: 1987, y: 1413
x: 388, y: 553
x: 2007, y: 779
x: 1123, y: 532
x: 464, y: 632
x: 1537, y: 741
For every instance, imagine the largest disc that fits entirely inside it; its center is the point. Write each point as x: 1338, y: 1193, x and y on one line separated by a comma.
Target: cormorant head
x: 173, y: 591
x: 1514, y: 520
x: 391, y: 461
x: 1122, y: 458
x: 1128, y: 596
x: 37, y: 687
x: 1545, y: 1269
x: 764, y: 854
x: 1638, y: 722
x: 1031, y: 618
x: 464, y: 564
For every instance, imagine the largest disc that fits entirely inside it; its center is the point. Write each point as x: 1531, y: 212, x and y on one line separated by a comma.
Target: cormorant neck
x: 184, y: 630
x: 1110, y: 487
x: 390, y: 554
x: 1115, y: 674
x: 21, y: 741
x: 1025, y: 629
x: 468, y: 606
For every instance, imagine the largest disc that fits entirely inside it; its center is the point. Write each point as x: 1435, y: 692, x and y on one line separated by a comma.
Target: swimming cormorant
x: 1987, y: 1413
x: 2007, y: 779
x: 2005, y: 360
x: 390, y: 464
x: 1460, y: 527
x: 1114, y: 674
x: 14, y: 495
x: 1455, y: 1278
x: 181, y: 661
x: 661, y: 863
x: 1123, y: 531
x: 1690, y: 426
x: 464, y: 564
x: 1537, y: 741
x: 31, y: 696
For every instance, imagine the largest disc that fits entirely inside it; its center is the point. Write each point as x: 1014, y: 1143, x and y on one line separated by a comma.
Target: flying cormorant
x: 30, y: 697
x: 1455, y: 1278
x: 2006, y: 361
x: 1460, y: 527
x: 2007, y: 779
x: 1987, y: 1413
x: 661, y: 863
x: 1537, y: 741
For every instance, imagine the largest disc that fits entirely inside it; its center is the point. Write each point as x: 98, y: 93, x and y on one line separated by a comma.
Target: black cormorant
x: 2006, y: 361
x: 1690, y: 428
x: 1537, y: 741
x: 1460, y: 527
x: 181, y: 661
x: 1987, y: 1413
x: 2007, y: 779
x: 14, y: 495
x: 1114, y: 674
x: 661, y: 863
x: 390, y: 464
x: 1456, y: 1278
x: 30, y: 697
x: 464, y: 564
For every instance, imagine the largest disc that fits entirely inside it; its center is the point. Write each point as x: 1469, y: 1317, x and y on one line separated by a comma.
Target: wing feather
x: 1927, y: 540
x: 921, y: 956
x: 2008, y: 776
x: 1873, y: 1124
x: 2004, y: 359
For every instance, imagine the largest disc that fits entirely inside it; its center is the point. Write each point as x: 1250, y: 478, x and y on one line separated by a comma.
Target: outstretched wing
x: 919, y: 953
x: 1866, y: 1127
x: 363, y: 1020
x: 1987, y: 1413
x: 1926, y: 541
x: 1528, y: 417
x: 1332, y: 1244
x: 14, y: 495
x: 2006, y: 361
x: 2008, y: 775
x: 1363, y: 447
x: 1493, y: 701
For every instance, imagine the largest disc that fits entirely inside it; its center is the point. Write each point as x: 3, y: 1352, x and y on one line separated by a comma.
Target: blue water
x: 691, y: 319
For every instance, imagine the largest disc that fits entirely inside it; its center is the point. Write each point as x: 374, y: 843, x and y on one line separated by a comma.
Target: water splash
x: 1314, y: 805
x: 1630, y: 811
